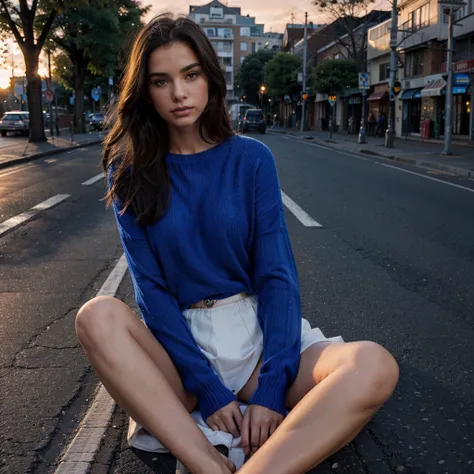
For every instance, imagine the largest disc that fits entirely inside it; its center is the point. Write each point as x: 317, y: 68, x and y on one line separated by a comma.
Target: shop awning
x: 378, y: 95
x: 411, y: 94
x: 433, y: 88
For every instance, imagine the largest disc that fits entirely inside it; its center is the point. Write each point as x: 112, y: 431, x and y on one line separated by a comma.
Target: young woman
x: 201, y: 220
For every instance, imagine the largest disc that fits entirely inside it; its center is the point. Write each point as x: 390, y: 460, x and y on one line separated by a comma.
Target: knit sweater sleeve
x: 275, y: 280
x: 164, y: 318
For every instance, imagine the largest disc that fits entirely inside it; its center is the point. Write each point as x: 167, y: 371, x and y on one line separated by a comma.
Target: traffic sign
x: 332, y: 100
x: 364, y: 82
x: 397, y: 87
x: 95, y: 93
x: 49, y: 95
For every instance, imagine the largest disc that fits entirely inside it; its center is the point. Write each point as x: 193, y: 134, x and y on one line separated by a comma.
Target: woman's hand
x: 228, y: 419
x: 258, y: 425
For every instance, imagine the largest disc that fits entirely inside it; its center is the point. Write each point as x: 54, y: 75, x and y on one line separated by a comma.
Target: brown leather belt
x: 208, y: 303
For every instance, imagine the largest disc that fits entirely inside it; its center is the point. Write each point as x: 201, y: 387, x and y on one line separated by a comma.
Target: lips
x: 181, y: 109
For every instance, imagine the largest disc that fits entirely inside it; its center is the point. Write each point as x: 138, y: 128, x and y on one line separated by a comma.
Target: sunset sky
x: 274, y: 14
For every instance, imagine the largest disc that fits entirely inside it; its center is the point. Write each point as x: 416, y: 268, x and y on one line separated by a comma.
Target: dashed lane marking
x: 93, y: 180
x: 299, y: 213
x: 15, y: 221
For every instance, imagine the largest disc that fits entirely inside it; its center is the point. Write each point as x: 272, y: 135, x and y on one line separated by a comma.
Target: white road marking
x: 81, y: 451
x: 93, y: 180
x: 26, y: 216
x: 333, y: 149
x: 51, y: 160
x: 429, y: 177
x: 16, y: 170
x: 301, y: 215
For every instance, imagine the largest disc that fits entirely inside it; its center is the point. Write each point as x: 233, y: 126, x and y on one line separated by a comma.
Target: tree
x: 21, y: 21
x: 251, y: 73
x: 333, y: 76
x: 350, y: 28
x: 91, y: 36
x: 281, y: 74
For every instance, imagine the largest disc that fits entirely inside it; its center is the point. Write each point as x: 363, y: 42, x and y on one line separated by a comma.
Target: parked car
x: 15, y: 121
x: 254, y: 120
x: 237, y: 113
x: 96, y: 122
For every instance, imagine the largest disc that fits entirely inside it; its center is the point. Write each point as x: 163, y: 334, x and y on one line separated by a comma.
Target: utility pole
x: 305, y: 53
x: 449, y: 8
x: 50, y: 103
x: 362, y: 132
x: 393, y: 72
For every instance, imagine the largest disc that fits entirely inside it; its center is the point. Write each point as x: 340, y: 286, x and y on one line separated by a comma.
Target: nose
x: 179, y: 93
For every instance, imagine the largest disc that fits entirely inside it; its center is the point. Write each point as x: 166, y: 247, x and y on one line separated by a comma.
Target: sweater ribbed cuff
x: 271, y: 392
x: 213, y: 397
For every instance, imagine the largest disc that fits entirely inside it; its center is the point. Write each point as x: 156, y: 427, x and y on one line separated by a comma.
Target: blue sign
x: 95, y: 93
x: 461, y: 79
x: 459, y: 90
x: 364, y: 82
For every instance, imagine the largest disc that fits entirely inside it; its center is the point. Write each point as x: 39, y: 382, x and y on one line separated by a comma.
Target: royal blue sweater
x: 224, y: 233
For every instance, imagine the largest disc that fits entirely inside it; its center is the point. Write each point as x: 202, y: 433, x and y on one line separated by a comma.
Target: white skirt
x: 231, y: 338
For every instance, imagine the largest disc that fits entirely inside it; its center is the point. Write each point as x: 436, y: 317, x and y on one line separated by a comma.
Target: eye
x: 159, y: 82
x: 192, y: 75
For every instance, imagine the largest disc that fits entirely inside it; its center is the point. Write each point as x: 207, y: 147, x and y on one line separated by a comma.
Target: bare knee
x: 97, y: 319
x: 376, y: 372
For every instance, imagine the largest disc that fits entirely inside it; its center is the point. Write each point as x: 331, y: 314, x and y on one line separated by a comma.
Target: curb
x: 35, y: 156
x: 411, y: 161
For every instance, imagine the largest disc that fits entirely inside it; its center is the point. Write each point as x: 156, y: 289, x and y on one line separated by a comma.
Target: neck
x: 186, y: 141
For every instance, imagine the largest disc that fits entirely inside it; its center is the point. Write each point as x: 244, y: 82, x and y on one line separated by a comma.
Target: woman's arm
x: 276, y: 283
x: 164, y: 318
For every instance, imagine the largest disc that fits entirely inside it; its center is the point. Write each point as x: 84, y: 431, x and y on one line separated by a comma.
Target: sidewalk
x: 421, y: 154
x: 20, y: 153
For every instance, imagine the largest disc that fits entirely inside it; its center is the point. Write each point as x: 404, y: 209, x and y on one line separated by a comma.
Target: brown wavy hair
x: 138, y: 141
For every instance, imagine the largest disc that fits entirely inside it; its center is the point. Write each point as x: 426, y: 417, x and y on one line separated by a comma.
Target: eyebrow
x: 185, y: 69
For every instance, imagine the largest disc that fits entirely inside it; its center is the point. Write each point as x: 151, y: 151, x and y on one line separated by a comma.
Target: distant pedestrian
x: 380, y: 125
x: 350, y: 125
x: 200, y: 216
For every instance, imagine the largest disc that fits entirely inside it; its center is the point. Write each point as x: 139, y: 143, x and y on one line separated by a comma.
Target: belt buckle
x: 209, y: 303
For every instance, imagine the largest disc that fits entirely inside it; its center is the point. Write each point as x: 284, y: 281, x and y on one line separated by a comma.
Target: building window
x: 254, y: 47
x: 244, y: 46
x: 242, y: 59
x: 210, y: 32
x: 244, y: 31
x: 227, y: 61
x: 228, y: 78
x: 224, y: 33
x: 222, y: 46
x: 419, y: 18
x: 414, y: 63
x: 384, y: 71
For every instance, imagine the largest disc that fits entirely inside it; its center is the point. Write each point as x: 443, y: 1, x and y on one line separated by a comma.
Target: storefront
x: 352, y: 108
x: 461, y: 103
x: 433, y: 104
x: 411, y: 114
x: 377, y: 106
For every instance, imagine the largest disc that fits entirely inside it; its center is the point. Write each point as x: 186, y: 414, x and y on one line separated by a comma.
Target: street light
x: 449, y: 7
x: 262, y: 92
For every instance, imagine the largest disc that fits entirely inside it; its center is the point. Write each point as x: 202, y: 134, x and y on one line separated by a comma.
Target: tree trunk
x: 79, y: 69
x: 33, y: 91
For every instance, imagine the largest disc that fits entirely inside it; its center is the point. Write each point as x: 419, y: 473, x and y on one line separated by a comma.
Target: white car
x: 15, y: 121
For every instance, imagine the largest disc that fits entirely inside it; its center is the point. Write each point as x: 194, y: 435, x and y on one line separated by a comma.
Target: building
x: 423, y: 44
x: 294, y: 33
x: 233, y: 36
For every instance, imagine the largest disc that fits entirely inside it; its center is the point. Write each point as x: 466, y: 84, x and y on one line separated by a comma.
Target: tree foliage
x: 334, y: 76
x: 350, y: 30
x: 251, y: 73
x: 281, y: 74
x: 91, y: 36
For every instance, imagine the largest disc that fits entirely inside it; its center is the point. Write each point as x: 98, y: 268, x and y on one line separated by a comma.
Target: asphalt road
x: 393, y: 263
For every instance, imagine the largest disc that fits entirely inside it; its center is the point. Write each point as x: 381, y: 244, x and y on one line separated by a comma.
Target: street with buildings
x: 382, y: 235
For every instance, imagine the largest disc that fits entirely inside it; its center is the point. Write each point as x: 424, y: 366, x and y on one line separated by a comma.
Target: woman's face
x: 177, y: 85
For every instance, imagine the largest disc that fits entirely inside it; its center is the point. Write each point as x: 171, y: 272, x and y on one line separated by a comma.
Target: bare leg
x: 338, y: 389
x: 142, y: 379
